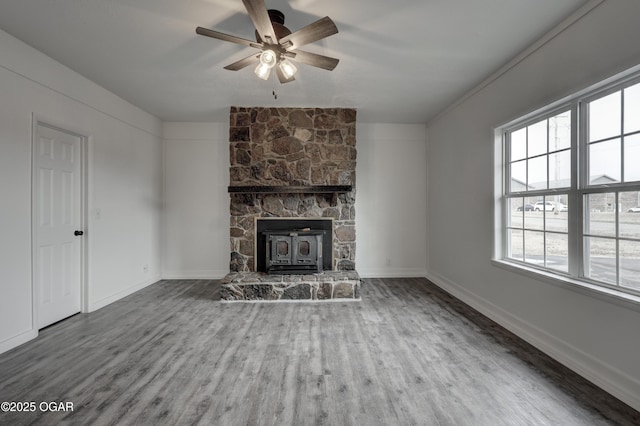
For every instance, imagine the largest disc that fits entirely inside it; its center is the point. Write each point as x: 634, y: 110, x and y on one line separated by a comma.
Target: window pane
x: 534, y: 247
x: 600, y: 259
x: 604, y: 162
x: 630, y: 264
x: 534, y: 219
x: 537, y: 173
x: 629, y: 214
x: 561, y: 203
x: 545, y: 204
x: 632, y: 158
x: 632, y: 109
x: 560, y: 169
x: 560, y: 131
x: 516, y: 211
x: 537, y: 137
x: 532, y: 202
x: 557, y: 246
x: 604, y: 117
x: 556, y: 220
x: 515, y: 244
x: 519, y: 176
x: 519, y: 144
x: 600, y: 214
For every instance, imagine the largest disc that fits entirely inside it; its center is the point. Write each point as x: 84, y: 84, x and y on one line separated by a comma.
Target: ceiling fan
x: 277, y: 43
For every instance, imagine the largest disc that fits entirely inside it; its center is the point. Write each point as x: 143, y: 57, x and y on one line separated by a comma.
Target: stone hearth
x: 258, y: 286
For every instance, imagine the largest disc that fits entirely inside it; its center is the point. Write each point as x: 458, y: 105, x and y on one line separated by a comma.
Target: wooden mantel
x: 310, y: 189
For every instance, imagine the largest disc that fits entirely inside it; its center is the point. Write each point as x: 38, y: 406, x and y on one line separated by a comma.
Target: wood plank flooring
x: 408, y: 354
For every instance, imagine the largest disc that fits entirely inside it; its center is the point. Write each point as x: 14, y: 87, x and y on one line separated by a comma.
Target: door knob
x: 77, y: 233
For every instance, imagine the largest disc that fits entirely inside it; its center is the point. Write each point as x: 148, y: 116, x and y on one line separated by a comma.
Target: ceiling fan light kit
x: 277, y: 43
x: 268, y: 60
x: 263, y: 71
x: 287, y: 68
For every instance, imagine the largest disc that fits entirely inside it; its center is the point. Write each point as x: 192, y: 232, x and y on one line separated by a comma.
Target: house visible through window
x: 572, y: 188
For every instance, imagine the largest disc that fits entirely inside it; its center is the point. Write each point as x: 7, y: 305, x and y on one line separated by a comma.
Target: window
x: 571, y: 198
x: 540, y: 177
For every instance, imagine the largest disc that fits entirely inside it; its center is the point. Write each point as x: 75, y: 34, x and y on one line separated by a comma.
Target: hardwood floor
x: 408, y: 354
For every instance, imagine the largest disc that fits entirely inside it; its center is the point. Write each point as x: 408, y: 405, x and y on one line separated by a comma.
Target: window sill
x: 606, y: 294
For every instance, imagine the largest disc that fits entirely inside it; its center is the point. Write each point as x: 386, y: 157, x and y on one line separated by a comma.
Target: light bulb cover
x: 268, y: 58
x: 287, y: 68
x: 263, y: 71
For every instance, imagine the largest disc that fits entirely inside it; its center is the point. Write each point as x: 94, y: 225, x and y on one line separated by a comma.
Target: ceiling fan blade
x: 313, y: 32
x: 242, y: 63
x: 226, y: 37
x: 315, y: 60
x: 282, y: 78
x: 258, y: 13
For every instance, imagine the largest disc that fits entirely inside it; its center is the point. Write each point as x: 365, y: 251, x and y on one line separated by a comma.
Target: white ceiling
x: 401, y: 61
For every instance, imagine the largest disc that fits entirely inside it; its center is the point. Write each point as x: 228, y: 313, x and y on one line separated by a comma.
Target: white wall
x: 391, y: 200
x: 196, y: 212
x: 124, y: 182
x: 391, y: 190
x: 597, y: 337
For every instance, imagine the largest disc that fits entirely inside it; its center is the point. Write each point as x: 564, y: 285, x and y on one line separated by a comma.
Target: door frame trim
x: 38, y: 120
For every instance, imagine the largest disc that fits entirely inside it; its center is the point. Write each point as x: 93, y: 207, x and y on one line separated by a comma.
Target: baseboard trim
x: 17, y: 340
x: 212, y: 274
x: 392, y: 273
x: 367, y: 273
x: 95, y: 305
x: 609, y: 378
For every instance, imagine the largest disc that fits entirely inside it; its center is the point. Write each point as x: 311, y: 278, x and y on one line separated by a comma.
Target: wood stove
x: 296, y: 252
x: 294, y: 246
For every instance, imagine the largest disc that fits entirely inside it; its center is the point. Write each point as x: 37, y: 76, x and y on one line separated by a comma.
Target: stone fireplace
x: 286, y: 162
x: 292, y: 163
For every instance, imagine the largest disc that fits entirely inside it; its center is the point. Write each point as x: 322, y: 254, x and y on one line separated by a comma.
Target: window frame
x: 580, y: 187
x: 507, y: 194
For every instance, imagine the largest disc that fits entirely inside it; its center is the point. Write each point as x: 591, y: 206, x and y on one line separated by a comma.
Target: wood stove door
x: 281, y: 250
x: 305, y: 250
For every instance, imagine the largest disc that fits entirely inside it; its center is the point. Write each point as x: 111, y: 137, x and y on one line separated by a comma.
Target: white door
x: 57, y: 221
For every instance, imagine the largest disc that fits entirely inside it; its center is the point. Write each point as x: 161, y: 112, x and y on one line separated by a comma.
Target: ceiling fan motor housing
x: 277, y: 20
x: 276, y: 16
